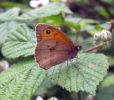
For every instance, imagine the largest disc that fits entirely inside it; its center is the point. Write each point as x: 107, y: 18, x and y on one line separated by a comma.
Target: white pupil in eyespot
x: 48, y: 31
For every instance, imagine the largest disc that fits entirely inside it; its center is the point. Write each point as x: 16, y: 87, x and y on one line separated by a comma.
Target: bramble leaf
x: 55, y: 8
x: 10, y: 14
x: 5, y: 29
x: 20, y: 42
x: 21, y: 81
x: 81, y: 74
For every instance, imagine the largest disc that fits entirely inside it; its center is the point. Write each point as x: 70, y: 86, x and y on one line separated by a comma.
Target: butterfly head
x: 78, y: 47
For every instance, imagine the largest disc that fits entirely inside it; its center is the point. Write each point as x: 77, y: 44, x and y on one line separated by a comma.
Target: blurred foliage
x: 12, y: 4
x: 108, y: 81
x: 106, y: 93
x: 17, y: 40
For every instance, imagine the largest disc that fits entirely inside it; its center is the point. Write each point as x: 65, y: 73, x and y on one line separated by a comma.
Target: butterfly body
x: 52, y: 46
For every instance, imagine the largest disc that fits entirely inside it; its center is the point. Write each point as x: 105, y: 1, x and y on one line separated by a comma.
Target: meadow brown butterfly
x: 53, y: 46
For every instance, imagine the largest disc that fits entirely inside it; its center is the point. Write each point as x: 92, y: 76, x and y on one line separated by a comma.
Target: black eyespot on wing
x: 48, y: 31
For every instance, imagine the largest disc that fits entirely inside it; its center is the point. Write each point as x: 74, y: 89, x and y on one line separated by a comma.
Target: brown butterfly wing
x: 50, y: 53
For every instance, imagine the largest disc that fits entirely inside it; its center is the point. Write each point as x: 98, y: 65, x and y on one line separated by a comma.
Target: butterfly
x: 53, y: 46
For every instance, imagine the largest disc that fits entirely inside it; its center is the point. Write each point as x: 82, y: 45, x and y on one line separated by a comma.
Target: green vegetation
x: 24, y: 79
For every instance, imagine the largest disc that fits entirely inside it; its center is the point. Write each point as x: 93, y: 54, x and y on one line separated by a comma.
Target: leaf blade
x: 55, y: 8
x: 21, y: 80
x: 10, y: 14
x: 20, y: 42
x: 83, y: 74
x: 5, y: 28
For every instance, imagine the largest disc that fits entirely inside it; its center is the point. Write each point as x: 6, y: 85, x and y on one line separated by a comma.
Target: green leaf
x: 45, y: 87
x: 20, y: 42
x: 102, y: 11
x: 21, y: 81
x: 81, y: 21
x: 48, y: 10
x: 83, y: 73
x: 10, y: 14
x: 86, y: 43
x: 108, y: 81
x: 82, y: 24
x: 55, y: 20
x: 5, y: 28
x: 108, y: 1
x: 9, y: 4
x: 111, y: 60
x: 106, y: 93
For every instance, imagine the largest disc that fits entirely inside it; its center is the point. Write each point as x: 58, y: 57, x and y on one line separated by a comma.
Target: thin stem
x: 95, y: 47
x: 79, y: 95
